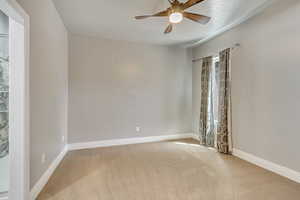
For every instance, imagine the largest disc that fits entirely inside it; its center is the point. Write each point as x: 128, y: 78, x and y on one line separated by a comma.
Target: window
x: 213, y: 103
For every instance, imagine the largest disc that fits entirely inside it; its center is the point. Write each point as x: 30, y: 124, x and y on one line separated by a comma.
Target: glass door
x: 4, y: 103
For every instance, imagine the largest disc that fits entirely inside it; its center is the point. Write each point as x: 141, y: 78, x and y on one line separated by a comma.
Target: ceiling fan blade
x: 159, y: 14
x: 142, y: 16
x: 169, y: 29
x: 173, y: 1
x: 202, y: 19
x: 190, y: 3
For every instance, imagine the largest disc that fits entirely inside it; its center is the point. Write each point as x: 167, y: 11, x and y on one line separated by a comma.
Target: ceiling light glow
x: 175, y: 17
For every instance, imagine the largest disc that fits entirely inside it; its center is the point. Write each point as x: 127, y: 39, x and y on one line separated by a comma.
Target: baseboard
x: 3, y: 198
x: 118, y: 142
x: 195, y: 136
x: 105, y: 143
x: 46, y: 176
x: 278, y: 169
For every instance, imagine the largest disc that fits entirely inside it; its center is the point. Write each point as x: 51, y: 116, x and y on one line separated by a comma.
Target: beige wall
x: 266, y: 81
x: 116, y: 86
x: 48, y: 84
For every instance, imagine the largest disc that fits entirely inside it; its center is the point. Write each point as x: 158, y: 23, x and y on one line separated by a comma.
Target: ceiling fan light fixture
x: 176, y: 12
x: 175, y: 17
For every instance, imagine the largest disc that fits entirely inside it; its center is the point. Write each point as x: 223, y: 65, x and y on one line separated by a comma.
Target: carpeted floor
x: 172, y: 170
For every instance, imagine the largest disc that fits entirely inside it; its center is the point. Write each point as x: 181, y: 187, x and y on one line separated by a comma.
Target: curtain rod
x: 233, y: 47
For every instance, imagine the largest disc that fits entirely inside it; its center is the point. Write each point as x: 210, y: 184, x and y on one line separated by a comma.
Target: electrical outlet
x: 43, y: 160
x: 138, y: 129
x: 63, y: 138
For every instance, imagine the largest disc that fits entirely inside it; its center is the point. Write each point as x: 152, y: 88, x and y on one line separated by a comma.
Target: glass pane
x: 4, y: 101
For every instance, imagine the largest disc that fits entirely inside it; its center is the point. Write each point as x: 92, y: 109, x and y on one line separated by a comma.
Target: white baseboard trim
x: 3, y: 197
x: 195, y: 137
x: 46, y: 176
x: 278, y: 169
x: 88, y: 145
x: 118, y: 142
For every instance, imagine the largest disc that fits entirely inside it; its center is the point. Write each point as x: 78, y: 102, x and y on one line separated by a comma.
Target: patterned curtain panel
x: 224, y: 143
x: 204, y: 120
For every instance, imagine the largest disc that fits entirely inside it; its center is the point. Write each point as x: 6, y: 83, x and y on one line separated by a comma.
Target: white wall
x: 48, y: 84
x: 266, y: 81
x: 196, y: 95
x: 116, y: 86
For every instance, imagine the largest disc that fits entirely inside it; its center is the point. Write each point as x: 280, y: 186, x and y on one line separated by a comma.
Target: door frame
x: 19, y: 171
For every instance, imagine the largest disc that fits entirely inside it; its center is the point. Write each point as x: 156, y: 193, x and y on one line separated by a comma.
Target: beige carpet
x: 173, y: 170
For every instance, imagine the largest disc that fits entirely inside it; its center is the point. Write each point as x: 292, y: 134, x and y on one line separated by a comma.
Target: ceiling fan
x: 176, y: 12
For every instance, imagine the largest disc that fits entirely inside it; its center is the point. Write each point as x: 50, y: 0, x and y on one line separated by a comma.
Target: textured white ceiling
x: 114, y: 19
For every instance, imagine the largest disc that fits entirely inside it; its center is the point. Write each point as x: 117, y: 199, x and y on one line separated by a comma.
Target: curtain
x: 205, y: 130
x: 224, y: 142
